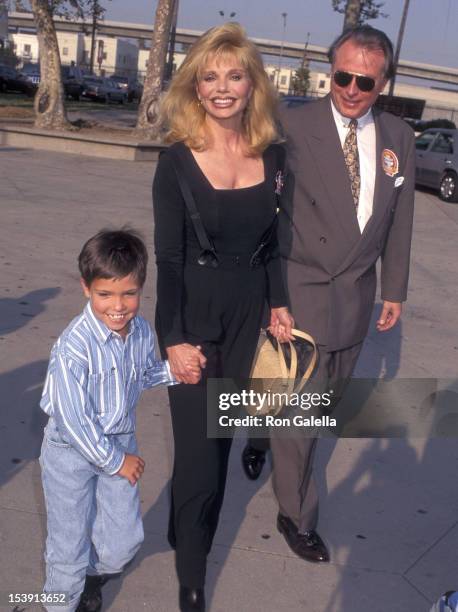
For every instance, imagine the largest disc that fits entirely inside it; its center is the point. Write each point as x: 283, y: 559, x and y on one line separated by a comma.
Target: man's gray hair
x: 369, y: 38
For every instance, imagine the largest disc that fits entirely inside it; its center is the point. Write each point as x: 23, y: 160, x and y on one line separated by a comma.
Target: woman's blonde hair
x: 183, y: 116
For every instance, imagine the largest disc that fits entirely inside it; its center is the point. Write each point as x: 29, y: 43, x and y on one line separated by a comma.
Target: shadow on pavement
x: 17, y: 312
x: 21, y: 429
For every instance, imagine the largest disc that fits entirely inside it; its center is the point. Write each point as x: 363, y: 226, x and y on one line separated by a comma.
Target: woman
x: 220, y: 114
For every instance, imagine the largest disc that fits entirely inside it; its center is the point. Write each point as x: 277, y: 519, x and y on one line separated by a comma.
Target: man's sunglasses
x: 343, y: 79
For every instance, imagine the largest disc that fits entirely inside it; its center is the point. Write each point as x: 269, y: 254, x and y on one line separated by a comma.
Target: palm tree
x: 358, y: 12
x: 147, y: 123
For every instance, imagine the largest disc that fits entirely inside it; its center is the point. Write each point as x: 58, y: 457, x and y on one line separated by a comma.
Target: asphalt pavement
x: 389, y: 506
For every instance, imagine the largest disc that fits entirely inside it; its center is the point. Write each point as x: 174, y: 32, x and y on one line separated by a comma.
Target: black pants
x: 223, y: 313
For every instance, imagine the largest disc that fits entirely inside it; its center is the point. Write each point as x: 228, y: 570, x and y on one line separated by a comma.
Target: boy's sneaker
x: 91, y: 597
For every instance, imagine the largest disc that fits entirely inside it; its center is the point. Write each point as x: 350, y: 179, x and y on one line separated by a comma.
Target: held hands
x: 281, y: 323
x: 186, y: 362
x: 391, y: 312
x: 132, y: 468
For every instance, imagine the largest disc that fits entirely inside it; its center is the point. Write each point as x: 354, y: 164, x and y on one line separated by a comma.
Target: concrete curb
x: 79, y: 144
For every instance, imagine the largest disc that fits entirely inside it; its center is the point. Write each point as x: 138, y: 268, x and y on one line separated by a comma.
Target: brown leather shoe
x: 308, y: 546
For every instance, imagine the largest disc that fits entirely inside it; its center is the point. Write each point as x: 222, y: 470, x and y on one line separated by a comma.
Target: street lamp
x: 284, y: 15
x: 231, y: 15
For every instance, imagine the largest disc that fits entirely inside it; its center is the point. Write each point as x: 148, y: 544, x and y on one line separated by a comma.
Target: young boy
x: 90, y: 465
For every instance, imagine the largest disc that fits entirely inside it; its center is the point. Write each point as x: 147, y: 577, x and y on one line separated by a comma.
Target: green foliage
x: 300, y: 81
x: 66, y: 8
x: 370, y: 9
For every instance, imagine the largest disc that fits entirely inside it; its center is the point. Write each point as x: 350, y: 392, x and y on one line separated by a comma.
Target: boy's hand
x: 186, y: 362
x: 132, y: 468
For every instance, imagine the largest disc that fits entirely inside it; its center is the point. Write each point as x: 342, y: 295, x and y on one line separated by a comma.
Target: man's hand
x: 281, y: 323
x: 185, y: 362
x: 132, y: 468
x: 391, y: 312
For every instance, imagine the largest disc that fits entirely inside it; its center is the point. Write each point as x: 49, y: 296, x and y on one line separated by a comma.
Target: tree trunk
x: 352, y: 13
x: 49, y: 99
x: 147, y: 124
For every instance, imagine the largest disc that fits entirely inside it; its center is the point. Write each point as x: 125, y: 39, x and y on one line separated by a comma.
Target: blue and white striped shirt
x: 94, y: 381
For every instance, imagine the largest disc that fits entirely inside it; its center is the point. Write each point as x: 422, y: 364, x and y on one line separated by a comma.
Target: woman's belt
x: 224, y: 261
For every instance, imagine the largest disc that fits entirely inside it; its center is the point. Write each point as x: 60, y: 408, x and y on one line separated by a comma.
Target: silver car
x: 437, y: 162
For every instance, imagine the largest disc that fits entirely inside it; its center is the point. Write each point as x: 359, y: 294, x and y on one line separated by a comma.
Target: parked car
x: 132, y: 86
x: 437, y: 162
x: 31, y: 73
x: 11, y: 80
x: 103, y: 90
x: 72, y: 80
x: 292, y: 101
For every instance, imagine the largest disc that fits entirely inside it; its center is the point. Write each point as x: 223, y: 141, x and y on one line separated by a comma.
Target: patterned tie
x: 350, y: 150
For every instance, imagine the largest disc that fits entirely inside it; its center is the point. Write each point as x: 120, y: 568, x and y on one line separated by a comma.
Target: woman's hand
x: 185, y: 362
x: 281, y: 324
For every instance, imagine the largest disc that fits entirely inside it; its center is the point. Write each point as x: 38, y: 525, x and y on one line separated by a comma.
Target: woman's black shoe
x: 192, y: 600
x: 253, y: 461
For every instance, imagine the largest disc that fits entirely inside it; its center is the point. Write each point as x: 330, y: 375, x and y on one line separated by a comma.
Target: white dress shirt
x: 365, y: 134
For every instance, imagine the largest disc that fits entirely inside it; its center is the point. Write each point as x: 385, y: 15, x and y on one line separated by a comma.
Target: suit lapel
x: 384, y: 184
x: 324, y: 143
x: 383, y: 190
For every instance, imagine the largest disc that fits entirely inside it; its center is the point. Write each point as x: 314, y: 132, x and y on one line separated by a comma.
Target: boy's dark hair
x: 369, y: 38
x: 113, y: 254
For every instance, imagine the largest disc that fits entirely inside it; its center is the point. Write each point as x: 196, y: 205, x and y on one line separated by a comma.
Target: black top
x: 234, y: 219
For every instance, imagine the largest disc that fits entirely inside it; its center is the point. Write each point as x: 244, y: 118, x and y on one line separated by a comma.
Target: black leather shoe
x: 308, y: 546
x: 91, y: 597
x: 192, y: 600
x: 253, y: 461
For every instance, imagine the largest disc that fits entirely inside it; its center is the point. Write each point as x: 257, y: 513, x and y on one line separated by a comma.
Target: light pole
x: 284, y: 15
x: 231, y: 15
x: 398, y: 45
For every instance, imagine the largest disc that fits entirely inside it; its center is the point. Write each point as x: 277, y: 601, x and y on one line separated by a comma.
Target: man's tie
x: 350, y: 150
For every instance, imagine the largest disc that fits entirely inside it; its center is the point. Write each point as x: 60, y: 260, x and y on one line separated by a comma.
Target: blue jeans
x: 94, y: 520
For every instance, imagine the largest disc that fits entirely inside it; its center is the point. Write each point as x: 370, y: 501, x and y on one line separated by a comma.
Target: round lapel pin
x: 390, y: 162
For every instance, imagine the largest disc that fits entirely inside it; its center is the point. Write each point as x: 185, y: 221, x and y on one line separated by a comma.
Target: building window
x: 27, y: 49
x: 272, y: 76
x: 146, y: 63
x: 322, y: 85
x: 65, y: 51
x: 283, y: 79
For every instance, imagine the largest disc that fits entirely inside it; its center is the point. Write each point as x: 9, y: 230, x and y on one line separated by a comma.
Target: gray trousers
x: 292, y: 476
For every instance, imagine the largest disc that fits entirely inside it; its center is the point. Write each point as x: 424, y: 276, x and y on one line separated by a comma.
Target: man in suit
x: 348, y: 200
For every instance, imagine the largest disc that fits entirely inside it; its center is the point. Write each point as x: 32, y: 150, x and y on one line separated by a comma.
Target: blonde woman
x: 220, y: 117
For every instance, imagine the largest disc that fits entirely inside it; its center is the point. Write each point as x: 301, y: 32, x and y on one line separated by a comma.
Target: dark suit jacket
x: 329, y: 265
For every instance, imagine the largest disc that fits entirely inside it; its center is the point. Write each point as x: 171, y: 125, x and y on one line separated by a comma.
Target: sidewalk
x: 389, y: 507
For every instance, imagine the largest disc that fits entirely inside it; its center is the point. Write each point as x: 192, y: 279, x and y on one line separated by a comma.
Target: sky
x: 430, y: 35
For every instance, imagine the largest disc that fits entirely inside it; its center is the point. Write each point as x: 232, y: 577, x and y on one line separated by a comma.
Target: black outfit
x: 220, y: 309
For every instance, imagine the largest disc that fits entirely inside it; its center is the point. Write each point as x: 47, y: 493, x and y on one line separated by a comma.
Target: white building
x: 143, y: 55
x: 26, y: 47
x: 280, y: 78
x: 112, y: 55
